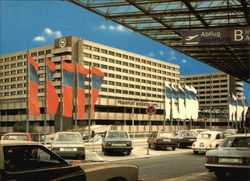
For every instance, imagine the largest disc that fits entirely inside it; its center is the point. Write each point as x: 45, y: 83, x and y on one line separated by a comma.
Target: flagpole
x: 27, y: 93
x: 45, y: 100
x: 90, y: 96
x: 76, y: 101
x: 61, y: 100
x: 228, y: 96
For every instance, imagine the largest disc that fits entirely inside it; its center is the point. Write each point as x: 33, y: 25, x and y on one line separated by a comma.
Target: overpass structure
x: 215, y: 32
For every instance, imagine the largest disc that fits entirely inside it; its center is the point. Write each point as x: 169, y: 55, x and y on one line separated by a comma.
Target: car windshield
x: 187, y: 133
x: 16, y: 137
x: 68, y: 137
x: 117, y: 135
x: 204, y: 136
x: 28, y: 157
x: 166, y: 135
x: 242, y: 142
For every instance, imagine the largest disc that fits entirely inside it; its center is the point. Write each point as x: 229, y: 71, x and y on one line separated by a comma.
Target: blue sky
x: 29, y: 24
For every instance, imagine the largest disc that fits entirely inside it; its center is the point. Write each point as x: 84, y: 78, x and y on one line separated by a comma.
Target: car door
x: 152, y: 138
x: 35, y: 163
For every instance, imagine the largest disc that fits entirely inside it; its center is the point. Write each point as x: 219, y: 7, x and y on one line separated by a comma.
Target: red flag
x: 33, y: 87
x: 97, y: 78
x: 52, y: 97
x: 82, y: 74
x: 68, y: 74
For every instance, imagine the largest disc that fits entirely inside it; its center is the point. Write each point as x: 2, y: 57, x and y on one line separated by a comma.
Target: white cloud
x: 151, y: 54
x: 161, y: 52
x: 103, y: 27
x: 48, y: 31
x: 171, y: 55
x: 39, y: 39
x: 47, y: 34
x: 118, y: 28
x: 184, y: 61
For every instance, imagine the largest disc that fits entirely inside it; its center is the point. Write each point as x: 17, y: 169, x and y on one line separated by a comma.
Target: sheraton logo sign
x: 217, y: 36
x: 137, y: 103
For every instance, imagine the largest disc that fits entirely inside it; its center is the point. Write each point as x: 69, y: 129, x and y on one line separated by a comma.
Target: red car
x: 17, y: 136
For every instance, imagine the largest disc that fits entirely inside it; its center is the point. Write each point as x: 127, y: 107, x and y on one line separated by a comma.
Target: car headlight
x: 129, y: 143
x: 108, y: 143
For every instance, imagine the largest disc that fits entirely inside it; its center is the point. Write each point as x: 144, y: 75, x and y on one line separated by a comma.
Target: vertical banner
x: 168, y: 97
x: 195, y: 103
x: 234, y: 108
x: 230, y: 108
x: 188, y: 102
x: 33, y: 87
x: 68, y: 74
x: 240, y: 109
x: 175, y: 112
x: 97, y: 78
x: 181, y: 102
x: 245, y: 109
x: 82, y: 74
x: 52, y: 97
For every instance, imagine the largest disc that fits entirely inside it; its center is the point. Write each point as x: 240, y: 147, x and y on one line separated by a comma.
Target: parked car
x: 161, y: 139
x: 186, y: 138
x: 18, y: 136
x: 68, y: 145
x: 29, y: 161
x: 231, y: 157
x: 116, y: 141
x: 207, y: 140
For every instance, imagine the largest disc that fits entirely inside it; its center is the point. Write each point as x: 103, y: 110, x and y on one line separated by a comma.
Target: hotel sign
x: 137, y: 103
x: 217, y: 36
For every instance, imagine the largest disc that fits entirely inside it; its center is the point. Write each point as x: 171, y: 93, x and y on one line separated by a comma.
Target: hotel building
x: 213, y: 91
x: 131, y: 81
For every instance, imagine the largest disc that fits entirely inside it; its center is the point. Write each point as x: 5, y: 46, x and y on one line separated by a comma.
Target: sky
x: 30, y: 24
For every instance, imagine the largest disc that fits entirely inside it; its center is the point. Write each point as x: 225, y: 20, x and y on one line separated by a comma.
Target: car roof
x: 66, y: 132
x: 17, y: 133
x: 240, y: 135
x: 17, y: 142
x: 211, y: 132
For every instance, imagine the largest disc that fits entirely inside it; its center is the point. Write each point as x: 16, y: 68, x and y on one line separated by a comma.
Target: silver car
x: 114, y: 140
x: 69, y: 145
x: 232, y: 157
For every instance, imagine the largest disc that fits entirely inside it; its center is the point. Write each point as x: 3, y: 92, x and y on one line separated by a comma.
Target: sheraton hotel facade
x: 131, y: 84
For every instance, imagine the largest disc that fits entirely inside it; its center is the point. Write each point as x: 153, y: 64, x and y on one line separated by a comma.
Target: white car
x: 207, y: 140
x: 69, y: 145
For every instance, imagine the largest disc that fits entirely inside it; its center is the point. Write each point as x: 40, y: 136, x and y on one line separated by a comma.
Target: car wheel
x: 195, y: 152
x: 178, y: 145
x: 128, y: 152
x: 221, y: 174
x: 173, y: 148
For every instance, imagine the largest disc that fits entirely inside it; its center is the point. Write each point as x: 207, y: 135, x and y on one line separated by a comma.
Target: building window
x: 111, y: 68
x: 104, y: 59
x: 111, y: 53
x: 96, y: 49
x: 111, y: 75
x: 118, y: 76
x: 87, y: 47
x: 104, y: 51
x: 96, y: 57
x: 96, y: 65
x: 87, y: 55
x: 111, y: 60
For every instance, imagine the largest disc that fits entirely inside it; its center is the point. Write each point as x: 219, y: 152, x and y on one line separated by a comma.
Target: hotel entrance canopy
x: 220, y: 28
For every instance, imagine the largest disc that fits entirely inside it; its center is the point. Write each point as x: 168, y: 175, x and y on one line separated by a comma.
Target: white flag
x: 175, y: 113
x: 181, y: 101
x: 168, y: 96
